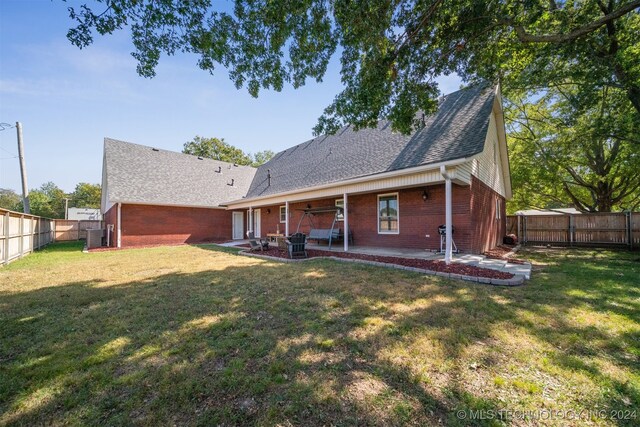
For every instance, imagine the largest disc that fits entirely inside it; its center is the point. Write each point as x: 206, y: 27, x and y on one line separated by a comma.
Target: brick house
x: 393, y: 190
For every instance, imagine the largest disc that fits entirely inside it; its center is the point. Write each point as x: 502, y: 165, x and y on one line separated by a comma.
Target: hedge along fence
x: 620, y: 229
x: 21, y: 234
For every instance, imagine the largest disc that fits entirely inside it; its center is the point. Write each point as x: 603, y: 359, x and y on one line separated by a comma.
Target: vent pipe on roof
x: 155, y: 149
x: 232, y: 180
x: 219, y: 169
x: 268, y: 177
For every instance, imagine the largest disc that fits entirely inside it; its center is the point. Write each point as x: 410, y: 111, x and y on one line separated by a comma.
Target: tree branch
x: 525, y: 37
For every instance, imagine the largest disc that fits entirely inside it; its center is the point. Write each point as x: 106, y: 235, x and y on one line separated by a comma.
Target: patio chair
x: 296, y: 244
x: 256, y: 243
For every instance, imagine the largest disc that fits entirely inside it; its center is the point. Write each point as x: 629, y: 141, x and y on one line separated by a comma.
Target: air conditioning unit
x: 94, y: 238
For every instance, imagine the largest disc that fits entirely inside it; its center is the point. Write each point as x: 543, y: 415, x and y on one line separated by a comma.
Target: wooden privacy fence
x: 68, y: 229
x: 21, y: 234
x: 589, y: 229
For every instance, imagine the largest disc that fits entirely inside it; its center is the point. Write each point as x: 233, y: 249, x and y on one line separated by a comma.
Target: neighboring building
x: 393, y: 187
x: 558, y: 211
x: 84, y: 214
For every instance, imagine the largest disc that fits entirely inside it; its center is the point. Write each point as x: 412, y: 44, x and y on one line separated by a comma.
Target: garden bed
x: 423, y: 264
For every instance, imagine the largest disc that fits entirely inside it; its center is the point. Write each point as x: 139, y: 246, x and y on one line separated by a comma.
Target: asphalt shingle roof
x: 141, y: 174
x: 457, y: 130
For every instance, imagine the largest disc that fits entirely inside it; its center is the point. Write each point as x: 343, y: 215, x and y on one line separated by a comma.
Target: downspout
x: 118, y: 240
x: 448, y: 215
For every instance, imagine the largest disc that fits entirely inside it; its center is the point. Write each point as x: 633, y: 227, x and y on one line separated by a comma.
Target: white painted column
x: 345, y: 213
x: 286, y: 222
x: 250, y: 226
x: 448, y: 252
x: 119, y: 238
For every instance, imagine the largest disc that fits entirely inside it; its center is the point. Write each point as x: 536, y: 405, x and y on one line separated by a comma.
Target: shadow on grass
x: 313, y: 343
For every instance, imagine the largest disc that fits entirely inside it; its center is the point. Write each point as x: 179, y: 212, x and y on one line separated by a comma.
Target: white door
x: 256, y: 222
x: 238, y: 225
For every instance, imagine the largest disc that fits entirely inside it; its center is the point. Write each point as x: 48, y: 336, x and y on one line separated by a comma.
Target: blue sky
x: 69, y: 99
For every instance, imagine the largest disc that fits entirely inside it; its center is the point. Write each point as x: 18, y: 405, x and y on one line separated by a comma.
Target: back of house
x: 383, y: 188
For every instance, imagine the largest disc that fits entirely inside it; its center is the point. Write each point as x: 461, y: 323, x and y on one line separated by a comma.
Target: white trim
x: 286, y: 227
x: 336, y: 204
x: 119, y: 213
x: 448, y: 215
x: 398, y: 212
x: 345, y: 214
x: 234, y: 215
x: 124, y: 202
x: 434, y: 167
x: 280, y: 214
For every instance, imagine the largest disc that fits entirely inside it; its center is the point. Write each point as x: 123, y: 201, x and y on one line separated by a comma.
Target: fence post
x: 7, y: 217
x: 629, y: 231
x: 21, y: 236
x: 572, y: 226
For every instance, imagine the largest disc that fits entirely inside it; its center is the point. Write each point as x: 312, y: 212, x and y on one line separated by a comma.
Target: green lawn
x: 199, y: 335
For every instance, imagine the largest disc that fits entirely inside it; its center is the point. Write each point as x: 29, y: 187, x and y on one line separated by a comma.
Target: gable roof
x: 140, y: 174
x: 457, y: 130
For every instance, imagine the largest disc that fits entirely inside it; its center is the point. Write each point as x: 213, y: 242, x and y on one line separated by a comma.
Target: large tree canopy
x: 218, y: 149
x: 564, y: 153
x: 390, y: 51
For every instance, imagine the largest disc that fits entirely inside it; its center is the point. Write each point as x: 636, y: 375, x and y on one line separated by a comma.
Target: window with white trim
x: 340, y: 204
x: 388, y: 214
x: 283, y: 214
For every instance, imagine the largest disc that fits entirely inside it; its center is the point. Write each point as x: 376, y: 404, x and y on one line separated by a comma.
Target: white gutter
x: 448, y: 214
x: 126, y: 202
x: 376, y: 177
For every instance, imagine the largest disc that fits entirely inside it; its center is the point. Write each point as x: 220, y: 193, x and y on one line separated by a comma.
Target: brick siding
x: 153, y: 225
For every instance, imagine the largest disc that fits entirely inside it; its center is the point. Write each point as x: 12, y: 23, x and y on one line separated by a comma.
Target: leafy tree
x: 9, y: 199
x: 46, y: 201
x: 261, y: 157
x: 390, y: 51
x: 86, y: 196
x: 217, y: 149
x: 567, y: 152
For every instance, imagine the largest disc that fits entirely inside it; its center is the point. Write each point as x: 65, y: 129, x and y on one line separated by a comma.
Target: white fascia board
x: 126, y: 202
x: 308, y: 191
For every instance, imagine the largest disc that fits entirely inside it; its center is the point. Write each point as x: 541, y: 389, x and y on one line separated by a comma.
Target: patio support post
x: 286, y: 222
x: 250, y: 226
x: 345, y: 215
x: 448, y: 215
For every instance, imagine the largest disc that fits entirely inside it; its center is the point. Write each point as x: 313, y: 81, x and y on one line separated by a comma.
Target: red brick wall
x: 152, y: 225
x: 489, y: 230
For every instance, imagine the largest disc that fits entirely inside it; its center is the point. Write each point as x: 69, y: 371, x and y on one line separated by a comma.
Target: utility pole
x: 66, y: 208
x: 23, y: 170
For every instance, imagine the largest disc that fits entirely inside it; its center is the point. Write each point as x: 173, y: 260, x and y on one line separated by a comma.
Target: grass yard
x: 199, y: 335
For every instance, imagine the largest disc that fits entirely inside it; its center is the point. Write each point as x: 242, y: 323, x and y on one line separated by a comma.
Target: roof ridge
x: 106, y: 138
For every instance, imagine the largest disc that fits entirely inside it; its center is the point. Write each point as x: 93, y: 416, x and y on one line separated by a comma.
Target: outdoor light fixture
x: 268, y: 211
x: 309, y: 206
x: 425, y: 195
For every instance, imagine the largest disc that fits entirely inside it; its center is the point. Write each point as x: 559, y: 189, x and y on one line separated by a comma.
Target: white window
x: 283, y: 214
x: 340, y: 204
x: 388, y: 214
x: 498, y: 210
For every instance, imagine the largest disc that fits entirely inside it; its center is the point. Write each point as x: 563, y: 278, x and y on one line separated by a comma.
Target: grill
x: 442, y: 230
